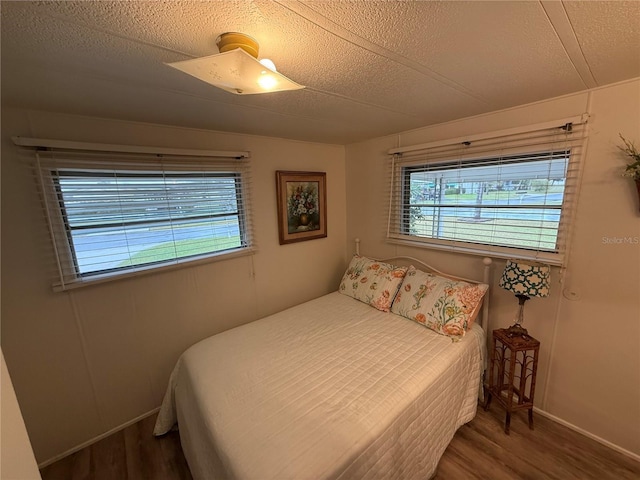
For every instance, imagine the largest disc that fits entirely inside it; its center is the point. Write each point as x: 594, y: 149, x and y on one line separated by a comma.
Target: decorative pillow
x: 446, y: 306
x: 372, y: 282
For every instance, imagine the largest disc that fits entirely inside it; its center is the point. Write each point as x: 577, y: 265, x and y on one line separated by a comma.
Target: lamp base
x: 517, y: 330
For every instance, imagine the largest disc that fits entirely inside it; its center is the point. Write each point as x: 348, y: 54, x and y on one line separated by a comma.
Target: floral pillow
x: 446, y: 306
x: 372, y: 282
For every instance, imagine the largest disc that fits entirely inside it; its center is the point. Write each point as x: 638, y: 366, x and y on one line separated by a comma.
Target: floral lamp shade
x: 527, y: 279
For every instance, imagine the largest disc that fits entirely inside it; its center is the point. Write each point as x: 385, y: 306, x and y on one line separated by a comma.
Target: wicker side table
x: 512, y: 373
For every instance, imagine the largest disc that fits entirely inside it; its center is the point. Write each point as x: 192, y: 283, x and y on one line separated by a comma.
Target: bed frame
x: 486, y: 277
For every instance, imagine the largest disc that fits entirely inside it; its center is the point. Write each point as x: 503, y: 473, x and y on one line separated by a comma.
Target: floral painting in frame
x: 302, y: 206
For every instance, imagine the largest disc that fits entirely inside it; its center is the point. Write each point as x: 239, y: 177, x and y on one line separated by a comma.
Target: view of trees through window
x: 121, y: 220
x: 513, y: 203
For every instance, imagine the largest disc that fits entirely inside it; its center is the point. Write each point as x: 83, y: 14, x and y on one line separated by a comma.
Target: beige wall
x: 17, y: 461
x: 589, y: 372
x: 90, y: 360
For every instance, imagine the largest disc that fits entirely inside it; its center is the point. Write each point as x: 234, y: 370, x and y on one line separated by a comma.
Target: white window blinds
x: 511, y: 194
x: 119, y: 213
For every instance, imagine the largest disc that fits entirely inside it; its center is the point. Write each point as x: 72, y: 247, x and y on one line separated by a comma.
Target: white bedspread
x: 329, y: 389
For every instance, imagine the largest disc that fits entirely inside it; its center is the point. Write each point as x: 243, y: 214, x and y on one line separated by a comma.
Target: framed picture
x: 302, y: 206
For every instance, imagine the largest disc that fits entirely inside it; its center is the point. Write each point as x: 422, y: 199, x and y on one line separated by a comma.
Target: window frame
x: 568, y: 135
x: 51, y: 165
x: 449, y: 167
x: 100, y: 174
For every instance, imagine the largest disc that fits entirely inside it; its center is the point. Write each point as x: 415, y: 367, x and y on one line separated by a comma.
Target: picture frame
x: 302, y: 205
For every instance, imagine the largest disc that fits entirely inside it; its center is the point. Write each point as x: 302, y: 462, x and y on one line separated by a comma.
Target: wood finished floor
x: 479, y: 450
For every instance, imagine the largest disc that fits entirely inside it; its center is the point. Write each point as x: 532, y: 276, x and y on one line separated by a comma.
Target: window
x: 513, y: 202
x: 506, y: 197
x: 112, y: 217
x: 120, y: 220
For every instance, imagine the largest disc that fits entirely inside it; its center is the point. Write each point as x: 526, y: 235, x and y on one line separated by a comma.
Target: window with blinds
x: 116, y: 215
x: 506, y: 196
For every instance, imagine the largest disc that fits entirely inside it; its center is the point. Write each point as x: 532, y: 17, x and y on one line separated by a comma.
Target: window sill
x: 100, y: 279
x: 479, y: 250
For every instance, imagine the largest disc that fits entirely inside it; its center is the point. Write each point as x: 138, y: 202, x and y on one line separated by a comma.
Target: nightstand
x: 512, y: 373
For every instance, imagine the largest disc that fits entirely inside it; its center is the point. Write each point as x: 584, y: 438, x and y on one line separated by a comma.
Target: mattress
x: 330, y: 389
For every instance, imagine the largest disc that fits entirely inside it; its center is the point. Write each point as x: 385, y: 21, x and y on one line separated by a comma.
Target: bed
x: 336, y: 388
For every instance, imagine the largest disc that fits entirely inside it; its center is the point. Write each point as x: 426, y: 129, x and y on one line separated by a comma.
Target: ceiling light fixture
x: 236, y: 68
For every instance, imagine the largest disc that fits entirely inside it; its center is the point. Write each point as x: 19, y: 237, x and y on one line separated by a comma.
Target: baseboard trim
x: 598, y: 439
x: 544, y: 413
x: 77, y: 448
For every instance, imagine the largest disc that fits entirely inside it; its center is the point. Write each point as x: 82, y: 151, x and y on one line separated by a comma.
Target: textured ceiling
x: 371, y: 67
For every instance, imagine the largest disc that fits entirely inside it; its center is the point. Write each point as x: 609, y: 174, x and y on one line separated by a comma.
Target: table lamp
x: 525, y: 279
